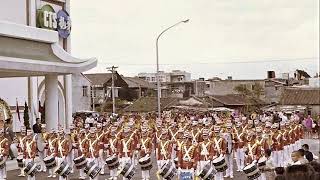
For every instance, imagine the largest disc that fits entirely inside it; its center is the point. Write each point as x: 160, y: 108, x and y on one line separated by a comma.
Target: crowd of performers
x: 188, y: 146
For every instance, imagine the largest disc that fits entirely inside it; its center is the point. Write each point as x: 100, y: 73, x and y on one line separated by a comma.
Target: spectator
x: 297, y: 157
x: 307, y: 154
x: 279, y: 173
x: 308, y: 124
x: 269, y: 169
x: 316, y: 167
x: 300, y: 172
x: 302, y: 158
x: 37, y: 126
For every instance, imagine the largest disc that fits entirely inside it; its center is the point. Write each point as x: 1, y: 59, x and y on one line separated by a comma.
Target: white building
x: 167, y: 77
x: 35, y: 59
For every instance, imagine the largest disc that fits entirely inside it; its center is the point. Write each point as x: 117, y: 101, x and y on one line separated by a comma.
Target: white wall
x: 13, y: 11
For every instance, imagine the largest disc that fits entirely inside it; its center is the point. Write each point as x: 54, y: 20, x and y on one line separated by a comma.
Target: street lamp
x: 157, y: 74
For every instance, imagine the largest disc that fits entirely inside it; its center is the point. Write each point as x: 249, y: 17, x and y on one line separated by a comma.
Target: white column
x: 68, y: 99
x: 31, y: 94
x: 51, y: 102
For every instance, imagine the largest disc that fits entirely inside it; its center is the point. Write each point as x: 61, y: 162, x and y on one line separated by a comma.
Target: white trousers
x: 145, y: 175
x: 286, y: 154
x: 29, y: 177
x: 59, y: 161
x: 218, y: 176
x: 240, y: 158
x: 101, y: 161
x: 277, y: 157
x: 229, y: 160
x: 113, y: 174
x: 42, y: 155
x: 262, y: 177
x: 95, y: 160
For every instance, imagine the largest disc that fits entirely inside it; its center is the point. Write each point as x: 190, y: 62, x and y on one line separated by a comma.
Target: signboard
x: 59, y: 21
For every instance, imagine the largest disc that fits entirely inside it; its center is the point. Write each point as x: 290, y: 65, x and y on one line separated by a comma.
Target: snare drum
x: 208, y: 172
x: 50, y: 162
x: 220, y: 164
x: 32, y: 169
x: 128, y: 171
x: 63, y: 170
x: 113, y: 162
x: 20, y: 161
x: 145, y: 163
x: 80, y: 162
x: 92, y: 170
x: 167, y: 171
x: 251, y: 171
x: 262, y: 162
x: 186, y: 176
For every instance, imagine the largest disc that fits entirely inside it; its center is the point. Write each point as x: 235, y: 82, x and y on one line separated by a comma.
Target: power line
x: 208, y: 63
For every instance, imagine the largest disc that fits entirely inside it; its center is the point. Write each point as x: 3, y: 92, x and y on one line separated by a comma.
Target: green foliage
x: 252, y: 95
x: 26, y: 116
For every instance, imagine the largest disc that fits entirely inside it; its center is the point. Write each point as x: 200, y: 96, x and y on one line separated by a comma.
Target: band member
x: 229, y: 150
x: 145, y: 147
x: 163, y: 149
x: 239, y: 141
x: 83, y: 149
x: 127, y: 146
x: 110, y: 141
x: 220, y: 145
x: 21, y: 148
x: 100, y: 143
x: 30, y: 151
x: 206, y: 150
x: 277, y: 146
x: 187, y: 158
x: 52, y: 149
x: 4, y: 153
x: 74, y: 140
x: 41, y: 143
x: 64, y: 148
x: 93, y: 148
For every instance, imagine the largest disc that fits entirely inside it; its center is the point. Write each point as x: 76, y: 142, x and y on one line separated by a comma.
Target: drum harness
x: 125, y: 144
x: 162, y: 150
x: 194, y: 136
x: 21, y: 143
x: 204, y: 149
x: 187, y: 156
x: 217, y: 142
x: 2, y: 149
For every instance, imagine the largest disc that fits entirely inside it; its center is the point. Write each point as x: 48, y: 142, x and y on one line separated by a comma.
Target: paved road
x: 12, y: 175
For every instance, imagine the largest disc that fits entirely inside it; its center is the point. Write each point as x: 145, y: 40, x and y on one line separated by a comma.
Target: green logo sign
x: 47, y: 18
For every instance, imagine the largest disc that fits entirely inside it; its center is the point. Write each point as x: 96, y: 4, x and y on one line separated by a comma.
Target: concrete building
x: 35, y: 44
x: 167, y: 77
x: 81, y: 87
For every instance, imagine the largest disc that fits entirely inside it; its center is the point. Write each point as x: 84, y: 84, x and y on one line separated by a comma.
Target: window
x: 84, y: 91
x: 153, y: 79
x: 148, y: 79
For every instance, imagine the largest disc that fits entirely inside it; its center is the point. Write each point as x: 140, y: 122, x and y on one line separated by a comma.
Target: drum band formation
x: 184, y: 146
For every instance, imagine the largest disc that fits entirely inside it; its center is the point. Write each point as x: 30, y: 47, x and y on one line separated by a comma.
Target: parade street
x: 314, y: 147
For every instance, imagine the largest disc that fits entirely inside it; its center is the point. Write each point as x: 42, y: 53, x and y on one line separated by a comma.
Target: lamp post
x: 157, y: 74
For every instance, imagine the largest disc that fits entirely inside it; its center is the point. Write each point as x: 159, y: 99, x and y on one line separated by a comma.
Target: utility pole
x: 113, y: 69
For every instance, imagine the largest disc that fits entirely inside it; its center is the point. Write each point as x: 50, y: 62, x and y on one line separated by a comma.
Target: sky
x: 239, y: 38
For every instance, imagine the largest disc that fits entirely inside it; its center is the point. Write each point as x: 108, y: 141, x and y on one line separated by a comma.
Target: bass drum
x: 251, y: 171
x: 50, y: 162
x: 208, y: 172
x: 262, y: 162
x: 220, y: 164
x: 128, y: 171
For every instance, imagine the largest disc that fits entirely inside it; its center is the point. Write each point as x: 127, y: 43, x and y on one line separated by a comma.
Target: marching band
x: 185, y: 146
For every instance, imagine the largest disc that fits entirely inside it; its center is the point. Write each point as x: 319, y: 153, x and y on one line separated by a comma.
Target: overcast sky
x: 242, y: 38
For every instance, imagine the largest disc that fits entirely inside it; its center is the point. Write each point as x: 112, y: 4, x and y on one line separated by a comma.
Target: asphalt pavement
x: 13, y: 174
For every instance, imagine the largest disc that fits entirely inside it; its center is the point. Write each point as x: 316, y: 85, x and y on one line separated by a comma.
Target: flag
x: 17, y: 110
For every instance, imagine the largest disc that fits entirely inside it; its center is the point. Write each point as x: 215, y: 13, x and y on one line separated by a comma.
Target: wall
x: 315, y: 110
x: 14, y: 11
x: 224, y: 87
x: 273, y: 92
x: 79, y: 101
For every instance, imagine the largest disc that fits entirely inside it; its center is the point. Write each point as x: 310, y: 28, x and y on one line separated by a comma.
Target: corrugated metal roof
x: 300, y: 96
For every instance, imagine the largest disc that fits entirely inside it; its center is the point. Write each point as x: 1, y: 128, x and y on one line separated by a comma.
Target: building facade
x: 35, y: 45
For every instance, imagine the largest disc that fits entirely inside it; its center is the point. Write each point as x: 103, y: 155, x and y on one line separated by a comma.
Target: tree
x: 26, y: 116
x: 252, y: 96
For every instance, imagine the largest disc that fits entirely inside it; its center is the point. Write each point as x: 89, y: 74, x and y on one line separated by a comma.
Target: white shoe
x: 49, y: 176
x: 102, y: 173
x: 81, y: 177
x: 54, y: 176
x: 238, y: 170
x: 21, y: 175
x: 231, y: 177
x: 226, y: 176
